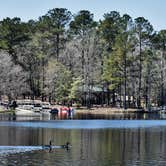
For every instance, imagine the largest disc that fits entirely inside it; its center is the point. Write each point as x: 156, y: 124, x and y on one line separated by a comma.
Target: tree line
x: 61, y: 57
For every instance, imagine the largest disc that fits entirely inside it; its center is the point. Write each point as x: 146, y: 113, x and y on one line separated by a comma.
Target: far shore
x: 96, y: 110
x: 110, y: 110
x: 7, y: 112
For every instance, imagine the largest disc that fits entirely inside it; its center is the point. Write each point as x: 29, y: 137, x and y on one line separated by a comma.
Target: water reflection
x: 86, y: 124
x: 64, y: 116
x: 118, y: 116
x: 93, y: 147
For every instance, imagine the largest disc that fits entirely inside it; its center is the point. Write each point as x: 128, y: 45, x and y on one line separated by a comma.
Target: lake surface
x: 94, y: 142
x: 78, y: 116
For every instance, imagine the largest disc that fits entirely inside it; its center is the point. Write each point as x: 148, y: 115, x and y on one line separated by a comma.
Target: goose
x: 49, y: 147
x: 66, y: 146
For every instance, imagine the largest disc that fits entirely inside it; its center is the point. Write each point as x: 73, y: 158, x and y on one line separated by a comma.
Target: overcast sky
x: 153, y: 10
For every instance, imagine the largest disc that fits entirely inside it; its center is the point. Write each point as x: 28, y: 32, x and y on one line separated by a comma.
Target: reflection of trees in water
x: 122, y: 145
x: 119, y: 116
x: 96, y: 146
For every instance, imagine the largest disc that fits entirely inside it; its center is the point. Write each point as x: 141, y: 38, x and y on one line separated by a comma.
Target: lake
x: 94, y: 142
x: 75, y: 116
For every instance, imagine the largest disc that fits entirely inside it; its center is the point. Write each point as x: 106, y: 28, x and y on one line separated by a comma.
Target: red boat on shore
x: 65, y: 111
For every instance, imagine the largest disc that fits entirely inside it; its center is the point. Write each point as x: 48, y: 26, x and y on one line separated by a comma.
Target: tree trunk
x: 43, y: 79
x: 125, y: 78
x: 162, y: 99
x: 57, y: 46
x: 140, y: 73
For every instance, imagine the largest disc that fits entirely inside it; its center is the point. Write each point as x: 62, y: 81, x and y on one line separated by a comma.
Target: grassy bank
x: 108, y: 110
x: 7, y: 112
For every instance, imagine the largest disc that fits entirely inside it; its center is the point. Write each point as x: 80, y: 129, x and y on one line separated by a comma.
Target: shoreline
x: 97, y: 110
x: 6, y: 112
x: 109, y: 111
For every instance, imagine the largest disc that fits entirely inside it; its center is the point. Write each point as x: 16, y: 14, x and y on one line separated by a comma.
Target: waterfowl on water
x: 66, y: 146
x: 49, y: 147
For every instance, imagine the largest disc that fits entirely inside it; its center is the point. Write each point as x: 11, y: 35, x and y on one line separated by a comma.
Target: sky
x: 153, y: 10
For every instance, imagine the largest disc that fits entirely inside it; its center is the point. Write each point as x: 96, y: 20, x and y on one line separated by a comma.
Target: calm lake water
x: 75, y: 116
x: 94, y: 142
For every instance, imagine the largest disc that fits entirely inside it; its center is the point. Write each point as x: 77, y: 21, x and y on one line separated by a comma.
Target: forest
x: 62, y: 57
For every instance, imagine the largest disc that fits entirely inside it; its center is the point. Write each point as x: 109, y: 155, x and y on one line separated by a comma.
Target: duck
x: 66, y: 146
x: 49, y: 147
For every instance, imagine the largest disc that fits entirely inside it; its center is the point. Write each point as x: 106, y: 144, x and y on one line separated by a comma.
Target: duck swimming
x: 66, y: 146
x: 49, y: 147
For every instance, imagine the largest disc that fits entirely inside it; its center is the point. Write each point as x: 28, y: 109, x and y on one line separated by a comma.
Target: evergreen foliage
x: 117, y: 61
